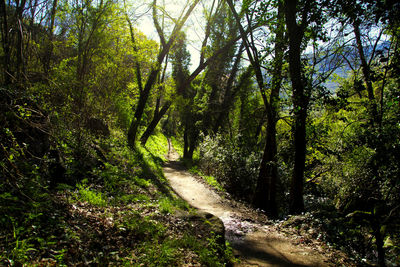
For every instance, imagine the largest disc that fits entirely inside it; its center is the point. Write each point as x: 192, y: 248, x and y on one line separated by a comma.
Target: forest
x: 291, y: 107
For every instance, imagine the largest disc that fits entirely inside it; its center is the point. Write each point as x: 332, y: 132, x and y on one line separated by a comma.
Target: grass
x: 123, y: 213
x: 177, y: 145
x: 85, y: 194
x: 209, y: 179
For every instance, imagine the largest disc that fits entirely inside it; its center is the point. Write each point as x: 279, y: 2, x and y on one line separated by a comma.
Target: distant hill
x: 352, y: 55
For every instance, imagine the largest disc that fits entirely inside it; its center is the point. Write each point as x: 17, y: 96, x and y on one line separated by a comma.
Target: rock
x: 211, y: 224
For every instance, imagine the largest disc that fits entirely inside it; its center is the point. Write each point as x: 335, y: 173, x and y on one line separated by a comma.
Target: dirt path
x: 255, y: 243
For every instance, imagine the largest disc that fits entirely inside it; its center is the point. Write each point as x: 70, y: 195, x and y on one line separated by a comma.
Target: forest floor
x: 256, y: 240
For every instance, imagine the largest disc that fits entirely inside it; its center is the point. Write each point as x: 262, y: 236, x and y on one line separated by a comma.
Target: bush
x: 234, y: 167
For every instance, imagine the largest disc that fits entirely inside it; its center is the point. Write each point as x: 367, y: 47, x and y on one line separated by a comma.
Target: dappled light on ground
x: 256, y: 244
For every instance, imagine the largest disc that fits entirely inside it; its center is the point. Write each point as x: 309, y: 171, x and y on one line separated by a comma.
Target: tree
x: 300, y: 97
x: 372, y: 60
x: 203, y: 63
x: 221, y: 74
x: 180, y: 72
x: 265, y: 196
x: 152, y: 77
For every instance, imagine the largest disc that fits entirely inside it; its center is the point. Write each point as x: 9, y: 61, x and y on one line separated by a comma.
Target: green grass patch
x: 134, y: 198
x: 177, y: 145
x: 168, y: 205
x: 86, y: 194
x: 157, y: 253
x: 157, y: 145
x: 211, y: 253
x: 153, y: 155
x: 144, y: 228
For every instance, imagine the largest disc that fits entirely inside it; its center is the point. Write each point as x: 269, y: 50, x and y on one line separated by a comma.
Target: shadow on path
x: 255, y: 243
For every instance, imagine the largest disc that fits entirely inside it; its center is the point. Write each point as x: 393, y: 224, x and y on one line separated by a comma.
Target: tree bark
x: 266, y: 190
x: 154, y: 122
x: 145, y: 93
x: 229, y: 95
x: 379, y: 244
x: 186, y: 142
x: 366, y: 70
x: 49, y: 48
x: 5, y: 43
x: 20, y: 64
x: 265, y: 195
x: 300, y: 105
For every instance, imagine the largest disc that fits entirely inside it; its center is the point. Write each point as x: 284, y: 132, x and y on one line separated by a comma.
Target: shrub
x: 233, y: 166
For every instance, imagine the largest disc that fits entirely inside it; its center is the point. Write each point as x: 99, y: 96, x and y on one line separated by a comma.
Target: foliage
x: 235, y: 169
x: 90, y: 196
x: 72, y: 73
x: 209, y: 179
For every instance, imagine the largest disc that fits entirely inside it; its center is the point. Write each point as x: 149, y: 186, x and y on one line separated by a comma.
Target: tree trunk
x: 379, y: 246
x: 296, y: 204
x: 266, y: 190
x: 192, y: 147
x: 366, y: 70
x: 376, y: 228
x: 49, y: 49
x: 186, y: 142
x: 145, y: 93
x: 20, y: 64
x: 265, y: 195
x: 229, y: 95
x: 300, y: 104
x: 5, y: 43
x: 154, y: 122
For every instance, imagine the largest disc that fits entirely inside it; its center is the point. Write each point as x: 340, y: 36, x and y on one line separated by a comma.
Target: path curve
x: 255, y: 243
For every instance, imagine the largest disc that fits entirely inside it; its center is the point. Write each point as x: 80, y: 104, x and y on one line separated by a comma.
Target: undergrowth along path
x: 256, y: 243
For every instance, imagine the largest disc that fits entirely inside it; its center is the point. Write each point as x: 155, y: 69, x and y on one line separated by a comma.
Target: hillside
x: 113, y: 206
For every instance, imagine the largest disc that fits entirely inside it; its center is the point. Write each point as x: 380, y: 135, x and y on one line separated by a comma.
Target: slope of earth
x: 254, y: 238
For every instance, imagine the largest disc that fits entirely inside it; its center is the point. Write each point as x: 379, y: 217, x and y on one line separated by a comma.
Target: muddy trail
x: 254, y: 239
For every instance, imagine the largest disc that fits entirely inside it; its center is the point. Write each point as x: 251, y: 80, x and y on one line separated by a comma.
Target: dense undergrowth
x: 96, y: 202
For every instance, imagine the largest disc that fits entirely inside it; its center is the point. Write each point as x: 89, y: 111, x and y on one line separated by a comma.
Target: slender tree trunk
x: 145, y: 93
x: 379, y: 242
x: 265, y: 195
x: 296, y: 204
x: 266, y: 190
x: 376, y: 120
x: 158, y: 114
x: 379, y: 246
x: 192, y: 147
x: 186, y: 142
x: 366, y: 70
x: 50, y: 47
x: 300, y: 105
x: 20, y: 64
x: 229, y: 95
x: 5, y: 42
x: 154, y: 122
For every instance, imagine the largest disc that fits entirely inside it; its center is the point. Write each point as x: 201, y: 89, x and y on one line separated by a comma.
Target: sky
x: 193, y: 26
